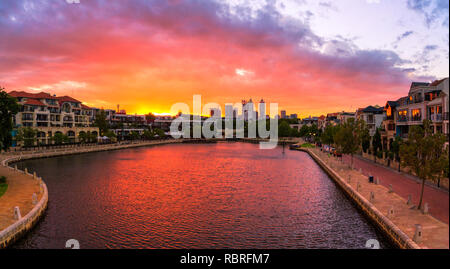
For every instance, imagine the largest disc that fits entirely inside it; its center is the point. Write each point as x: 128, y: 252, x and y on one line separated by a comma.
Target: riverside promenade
x: 22, y: 186
x: 404, y: 185
x: 435, y: 233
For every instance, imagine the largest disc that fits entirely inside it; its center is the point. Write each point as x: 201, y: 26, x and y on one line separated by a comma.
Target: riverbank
x: 435, y: 233
x: 22, y: 205
x: 392, y: 214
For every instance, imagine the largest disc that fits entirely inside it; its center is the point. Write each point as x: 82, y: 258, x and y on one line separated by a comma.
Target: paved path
x: 19, y: 193
x: 404, y: 185
x: 435, y: 232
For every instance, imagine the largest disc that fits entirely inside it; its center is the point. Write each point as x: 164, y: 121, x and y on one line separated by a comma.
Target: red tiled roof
x: 85, y: 106
x: 68, y: 99
x: 41, y: 95
x: 34, y: 102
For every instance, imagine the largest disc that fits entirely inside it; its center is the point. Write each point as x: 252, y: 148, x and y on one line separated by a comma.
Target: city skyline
x: 283, y: 51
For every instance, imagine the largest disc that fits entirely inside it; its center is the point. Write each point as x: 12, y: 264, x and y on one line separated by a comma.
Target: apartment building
x: 373, y: 116
x: 388, y: 126
x: 321, y: 122
x: 345, y: 116
x: 424, y: 101
x: 49, y: 115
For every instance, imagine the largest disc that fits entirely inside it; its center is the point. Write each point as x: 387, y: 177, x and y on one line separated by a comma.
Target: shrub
x: 2, y: 180
x: 379, y: 154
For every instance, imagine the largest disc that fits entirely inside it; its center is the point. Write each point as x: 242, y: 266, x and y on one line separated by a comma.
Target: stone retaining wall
x: 398, y: 237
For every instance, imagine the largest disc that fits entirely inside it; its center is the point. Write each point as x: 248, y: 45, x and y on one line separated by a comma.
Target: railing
x: 446, y: 116
x: 436, y: 117
x: 416, y: 118
x: 402, y: 119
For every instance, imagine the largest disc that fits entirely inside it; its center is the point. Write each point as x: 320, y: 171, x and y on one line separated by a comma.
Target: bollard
x: 409, y: 200
x: 391, y: 212
x: 26, y: 170
x: 390, y: 189
x: 372, y: 197
x: 426, y: 209
x: 34, y: 175
x: 418, y: 234
x: 377, y: 181
x: 17, y: 215
x: 15, y: 167
x: 358, y: 187
x: 34, y: 199
x: 41, y: 187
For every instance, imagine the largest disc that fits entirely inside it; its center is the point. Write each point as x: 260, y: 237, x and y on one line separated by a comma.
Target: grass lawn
x: 3, y: 188
x: 308, y: 145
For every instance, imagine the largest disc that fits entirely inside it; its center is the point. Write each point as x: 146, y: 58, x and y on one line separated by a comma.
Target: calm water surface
x: 225, y: 195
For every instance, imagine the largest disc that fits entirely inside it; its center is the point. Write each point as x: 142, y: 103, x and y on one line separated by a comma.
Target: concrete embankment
x: 27, y: 195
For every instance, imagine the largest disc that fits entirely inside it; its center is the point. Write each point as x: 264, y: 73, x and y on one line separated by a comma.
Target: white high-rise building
x: 262, y: 110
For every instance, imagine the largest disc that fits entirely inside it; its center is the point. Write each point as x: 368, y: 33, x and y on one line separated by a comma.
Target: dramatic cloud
x: 147, y: 55
x: 433, y: 10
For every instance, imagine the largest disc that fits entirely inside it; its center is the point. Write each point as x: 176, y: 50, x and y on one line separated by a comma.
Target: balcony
x: 41, y: 118
x: 402, y: 119
x: 445, y: 116
x: 436, y: 117
x: 416, y: 119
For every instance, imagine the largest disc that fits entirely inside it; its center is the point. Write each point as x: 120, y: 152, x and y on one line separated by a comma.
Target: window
x: 402, y: 115
x: 416, y: 115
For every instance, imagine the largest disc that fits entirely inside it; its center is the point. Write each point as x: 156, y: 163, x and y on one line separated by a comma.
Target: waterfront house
x: 388, y: 126
x: 424, y: 101
x: 50, y: 115
x: 373, y: 116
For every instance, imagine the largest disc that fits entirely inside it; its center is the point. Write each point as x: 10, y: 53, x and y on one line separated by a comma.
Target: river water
x: 224, y: 195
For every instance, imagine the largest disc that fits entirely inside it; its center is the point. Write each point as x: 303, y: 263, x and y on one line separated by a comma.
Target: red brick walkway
x: 403, y: 185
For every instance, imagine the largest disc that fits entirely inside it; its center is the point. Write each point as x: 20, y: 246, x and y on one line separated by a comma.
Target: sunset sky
x: 311, y: 57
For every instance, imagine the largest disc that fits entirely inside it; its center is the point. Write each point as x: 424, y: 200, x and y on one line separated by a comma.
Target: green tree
x: 329, y: 133
x: 284, y: 129
x: 148, y: 135
x: 101, y: 122
x: 424, y: 152
x: 83, y: 137
x: 60, y: 138
x: 395, y: 148
x: 304, y: 131
x: 443, y: 165
x: 293, y: 132
x: 150, y: 117
x: 376, y: 145
x: 160, y: 133
x: 8, y: 108
x: 365, y: 136
x: 135, y: 135
x: 348, y: 138
x: 110, y: 134
x: 27, y: 135
x: 92, y: 137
